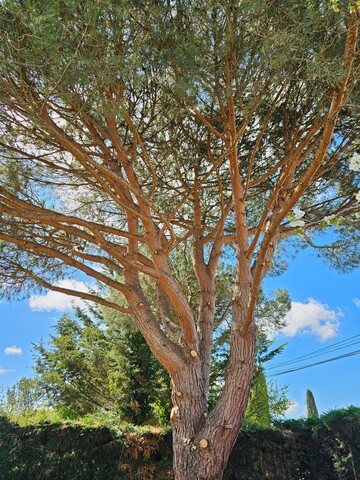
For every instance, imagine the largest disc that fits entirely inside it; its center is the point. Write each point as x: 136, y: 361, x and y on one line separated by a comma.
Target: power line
x: 322, y: 351
x: 345, y: 355
x: 289, y: 363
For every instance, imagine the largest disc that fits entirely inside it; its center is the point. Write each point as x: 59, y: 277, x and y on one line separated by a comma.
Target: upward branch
x: 132, y: 135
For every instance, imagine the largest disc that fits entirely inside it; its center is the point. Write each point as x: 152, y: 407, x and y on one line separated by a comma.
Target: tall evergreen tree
x: 130, y: 128
x: 311, y: 408
x: 265, y: 400
x: 86, y: 367
x: 258, y: 408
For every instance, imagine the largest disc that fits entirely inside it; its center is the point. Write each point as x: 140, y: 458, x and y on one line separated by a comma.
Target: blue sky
x: 325, y: 310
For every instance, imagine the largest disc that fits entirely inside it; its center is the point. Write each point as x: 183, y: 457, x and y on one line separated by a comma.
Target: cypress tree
x: 311, y: 408
x: 258, y: 409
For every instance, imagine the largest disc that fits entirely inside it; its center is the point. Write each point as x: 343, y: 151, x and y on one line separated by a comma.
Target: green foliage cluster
x: 24, y: 398
x: 74, y: 451
x: 98, y: 362
x: 90, y: 370
x: 258, y: 409
x: 325, y: 448
x: 168, y: 54
x: 87, y: 367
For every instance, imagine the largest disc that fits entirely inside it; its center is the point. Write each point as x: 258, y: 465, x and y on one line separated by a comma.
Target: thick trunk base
x: 202, y: 442
x: 193, y: 464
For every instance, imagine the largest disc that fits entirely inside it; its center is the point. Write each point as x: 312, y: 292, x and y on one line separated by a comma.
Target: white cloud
x: 312, y: 318
x: 296, y: 410
x: 292, y: 409
x: 356, y: 301
x: 4, y: 370
x: 13, y: 350
x: 59, y: 301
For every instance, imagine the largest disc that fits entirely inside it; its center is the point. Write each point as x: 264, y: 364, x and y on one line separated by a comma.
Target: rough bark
x: 202, y: 442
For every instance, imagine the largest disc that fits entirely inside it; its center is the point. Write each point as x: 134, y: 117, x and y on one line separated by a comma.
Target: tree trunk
x: 201, y: 459
x: 202, y: 442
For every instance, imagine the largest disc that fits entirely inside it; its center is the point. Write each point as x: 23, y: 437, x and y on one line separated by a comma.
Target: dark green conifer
x: 311, y: 408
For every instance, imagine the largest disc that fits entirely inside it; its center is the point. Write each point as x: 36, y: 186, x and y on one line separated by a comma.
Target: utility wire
x: 292, y: 362
x: 345, y: 355
x: 322, y: 351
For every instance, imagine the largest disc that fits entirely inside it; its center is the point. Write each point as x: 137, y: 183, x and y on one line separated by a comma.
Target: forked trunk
x: 204, y: 459
x: 202, y: 443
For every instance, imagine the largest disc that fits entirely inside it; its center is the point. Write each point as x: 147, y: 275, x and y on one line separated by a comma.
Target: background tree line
x: 97, y: 361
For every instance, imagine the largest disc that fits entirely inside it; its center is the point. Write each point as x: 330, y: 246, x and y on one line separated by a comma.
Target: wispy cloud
x: 356, y: 301
x: 59, y: 301
x: 13, y: 350
x: 312, y: 318
x: 4, y: 370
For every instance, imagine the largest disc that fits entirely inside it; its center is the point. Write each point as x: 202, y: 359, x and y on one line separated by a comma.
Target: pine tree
x: 129, y: 129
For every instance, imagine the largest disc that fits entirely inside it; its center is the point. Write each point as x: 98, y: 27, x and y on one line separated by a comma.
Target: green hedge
x: 323, y: 449
x: 75, y: 452
x: 327, y: 448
